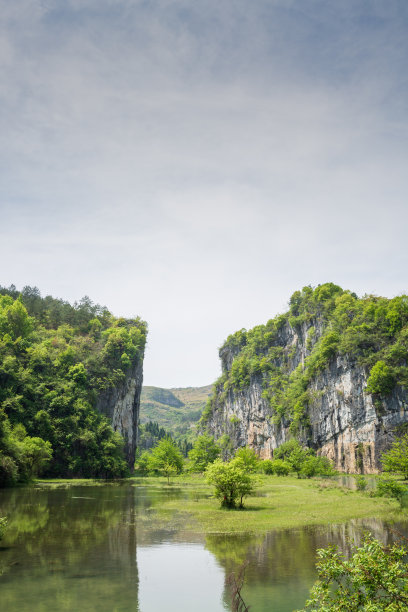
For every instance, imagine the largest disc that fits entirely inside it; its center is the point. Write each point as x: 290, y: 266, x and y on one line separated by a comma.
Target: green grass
x: 279, y: 503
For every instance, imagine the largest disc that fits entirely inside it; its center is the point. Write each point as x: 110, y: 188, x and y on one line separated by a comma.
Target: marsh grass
x: 279, y: 503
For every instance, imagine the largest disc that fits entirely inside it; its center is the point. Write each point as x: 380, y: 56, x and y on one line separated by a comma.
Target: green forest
x: 372, y: 331
x: 55, y: 360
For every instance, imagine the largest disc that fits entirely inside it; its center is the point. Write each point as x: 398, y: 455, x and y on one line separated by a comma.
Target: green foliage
x: 294, y: 454
x: 267, y: 466
x: 234, y: 420
x: 204, y: 452
x: 276, y: 466
x: 381, y: 379
x: 21, y: 457
x: 396, y: 459
x: 361, y: 483
x: 231, y: 480
x: 149, y: 434
x: 55, y: 360
x: 248, y: 458
x: 166, y: 459
x: 142, y: 463
x: 225, y: 444
x: 390, y: 488
x: 316, y: 466
x: 3, y: 525
x: 374, y: 578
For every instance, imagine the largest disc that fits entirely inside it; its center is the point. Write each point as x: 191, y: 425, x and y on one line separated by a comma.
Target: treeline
x: 151, y: 433
x: 55, y: 359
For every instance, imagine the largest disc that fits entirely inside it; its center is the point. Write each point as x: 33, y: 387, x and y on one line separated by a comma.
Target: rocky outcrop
x: 345, y: 423
x: 121, y: 405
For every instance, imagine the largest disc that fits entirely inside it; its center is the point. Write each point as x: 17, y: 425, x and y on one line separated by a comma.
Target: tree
x: 248, y: 458
x: 231, y: 480
x: 293, y: 453
x: 166, y: 459
x: 280, y: 467
x: 375, y: 578
x: 204, y: 451
x: 396, y: 459
x: 316, y: 466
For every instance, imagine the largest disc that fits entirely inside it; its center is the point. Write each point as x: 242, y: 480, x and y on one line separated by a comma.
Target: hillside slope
x: 176, y: 410
x: 332, y: 371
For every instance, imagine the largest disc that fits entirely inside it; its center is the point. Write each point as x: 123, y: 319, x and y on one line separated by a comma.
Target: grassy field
x: 279, y: 502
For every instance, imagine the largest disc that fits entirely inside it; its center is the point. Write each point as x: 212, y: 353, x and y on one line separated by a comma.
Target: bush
x: 267, y: 466
x: 361, y: 483
x: 281, y: 467
x: 381, y: 380
x: 231, y: 481
x: 396, y: 459
x: 317, y: 466
x: 391, y: 488
x: 374, y: 578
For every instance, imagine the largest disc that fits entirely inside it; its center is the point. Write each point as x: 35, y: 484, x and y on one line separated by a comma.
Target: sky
x: 196, y: 162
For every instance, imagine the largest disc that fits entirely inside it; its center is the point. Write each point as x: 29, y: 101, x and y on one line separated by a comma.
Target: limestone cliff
x: 121, y: 405
x: 295, y: 377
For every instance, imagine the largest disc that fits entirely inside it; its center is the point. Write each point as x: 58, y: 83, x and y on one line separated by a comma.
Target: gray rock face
x: 346, y: 424
x: 121, y: 405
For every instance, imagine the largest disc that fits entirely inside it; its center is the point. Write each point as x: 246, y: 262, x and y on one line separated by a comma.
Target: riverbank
x: 278, y: 503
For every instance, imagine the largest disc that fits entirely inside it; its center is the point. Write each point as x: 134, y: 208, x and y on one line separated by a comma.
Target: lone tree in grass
x: 231, y: 480
x: 396, y: 459
x: 166, y: 459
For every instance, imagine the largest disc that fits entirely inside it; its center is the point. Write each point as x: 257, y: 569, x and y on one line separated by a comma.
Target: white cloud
x: 197, y: 163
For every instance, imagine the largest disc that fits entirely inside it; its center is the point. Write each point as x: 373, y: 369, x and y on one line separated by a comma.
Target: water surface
x: 109, y: 548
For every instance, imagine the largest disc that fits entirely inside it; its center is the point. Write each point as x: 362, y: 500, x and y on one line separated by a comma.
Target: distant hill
x: 176, y: 410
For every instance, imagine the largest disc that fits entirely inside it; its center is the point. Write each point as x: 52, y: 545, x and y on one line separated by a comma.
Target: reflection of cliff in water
x: 71, y: 548
x: 281, y: 564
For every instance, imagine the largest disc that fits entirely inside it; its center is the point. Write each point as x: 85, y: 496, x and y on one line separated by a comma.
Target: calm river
x: 106, y: 548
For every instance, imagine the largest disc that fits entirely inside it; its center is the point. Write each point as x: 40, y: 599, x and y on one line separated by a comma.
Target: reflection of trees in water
x: 286, y: 559
x: 71, y: 548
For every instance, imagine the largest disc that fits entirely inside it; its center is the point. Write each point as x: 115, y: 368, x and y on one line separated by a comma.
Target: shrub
x: 381, y: 379
x: 374, y: 578
x: 231, y: 481
x: 317, y: 466
x: 396, y: 459
x: 391, y: 488
x: 267, y: 466
x: 280, y: 467
x: 361, y: 483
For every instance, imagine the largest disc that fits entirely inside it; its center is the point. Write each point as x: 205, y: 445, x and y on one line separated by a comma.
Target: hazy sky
x: 195, y: 162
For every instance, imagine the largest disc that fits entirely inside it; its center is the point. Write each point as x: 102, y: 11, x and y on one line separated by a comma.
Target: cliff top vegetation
x: 371, y: 330
x: 55, y: 360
